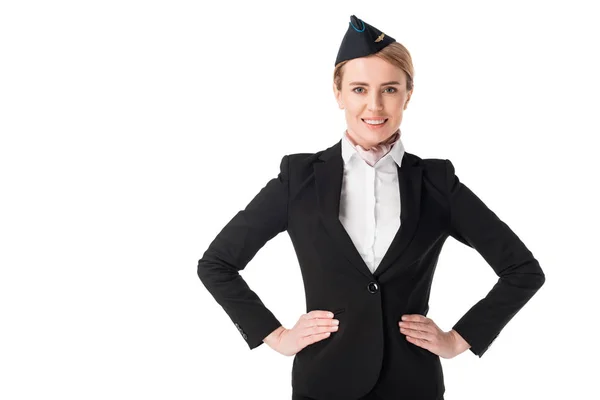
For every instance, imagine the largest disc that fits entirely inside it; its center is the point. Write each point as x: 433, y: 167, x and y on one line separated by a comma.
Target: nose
x: 375, y: 103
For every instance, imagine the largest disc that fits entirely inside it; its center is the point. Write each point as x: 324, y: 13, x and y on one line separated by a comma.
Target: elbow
x: 541, y: 279
x: 538, y: 277
x: 206, y: 269
x: 213, y: 270
x: 207, y: 266
x: 199, y: 269
x: 527, y: 276
x: 202, y: 270
x: 535, y: 279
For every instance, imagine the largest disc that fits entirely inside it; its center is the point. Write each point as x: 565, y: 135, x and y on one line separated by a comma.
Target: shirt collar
x: 348, y: 151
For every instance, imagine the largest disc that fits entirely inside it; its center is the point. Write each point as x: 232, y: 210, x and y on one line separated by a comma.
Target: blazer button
x: 373, y: 287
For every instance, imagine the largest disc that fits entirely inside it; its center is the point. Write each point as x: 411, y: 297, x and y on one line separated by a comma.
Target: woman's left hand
x: 422, y: 331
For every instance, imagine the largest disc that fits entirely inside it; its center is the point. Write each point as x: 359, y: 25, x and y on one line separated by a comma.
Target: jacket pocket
x: 338, y: 311
x: 314, y: 351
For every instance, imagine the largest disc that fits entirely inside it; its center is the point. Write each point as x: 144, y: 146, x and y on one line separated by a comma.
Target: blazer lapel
x: 328, y: 178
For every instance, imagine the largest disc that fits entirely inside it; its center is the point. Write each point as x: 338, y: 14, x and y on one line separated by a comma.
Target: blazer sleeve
x: 233, y: 248
x: 520, y: 276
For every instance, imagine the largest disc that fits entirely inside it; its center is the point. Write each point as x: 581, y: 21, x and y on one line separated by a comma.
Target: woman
x: 368, y: 221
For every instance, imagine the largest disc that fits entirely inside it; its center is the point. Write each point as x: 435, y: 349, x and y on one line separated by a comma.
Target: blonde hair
x: 394, y: 53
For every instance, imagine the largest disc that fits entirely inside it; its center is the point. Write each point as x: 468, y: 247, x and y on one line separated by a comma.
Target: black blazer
x: 368, y: 348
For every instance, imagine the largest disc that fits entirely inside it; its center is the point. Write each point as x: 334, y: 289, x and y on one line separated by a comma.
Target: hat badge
x: 380, y: 37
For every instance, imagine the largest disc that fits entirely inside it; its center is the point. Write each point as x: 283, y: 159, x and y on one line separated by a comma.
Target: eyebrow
x: 366, y: 84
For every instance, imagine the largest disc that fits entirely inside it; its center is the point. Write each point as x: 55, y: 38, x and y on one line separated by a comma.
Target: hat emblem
x: 380, y: 37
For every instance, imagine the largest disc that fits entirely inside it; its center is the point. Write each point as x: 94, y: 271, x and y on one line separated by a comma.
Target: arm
x: 233, y: 248
x: 520, y: 276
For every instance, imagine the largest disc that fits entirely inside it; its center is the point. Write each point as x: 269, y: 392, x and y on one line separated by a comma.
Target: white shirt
x: 370, y: 201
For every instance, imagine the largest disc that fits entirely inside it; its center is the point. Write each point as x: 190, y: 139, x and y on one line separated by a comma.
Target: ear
x: 408, y: 97
x: 338, y: 97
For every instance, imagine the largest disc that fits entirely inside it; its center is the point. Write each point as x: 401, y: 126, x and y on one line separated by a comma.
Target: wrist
x: 460, y: 343
x: 274, y: 336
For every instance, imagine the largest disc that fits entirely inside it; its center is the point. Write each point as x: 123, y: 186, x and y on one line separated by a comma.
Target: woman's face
x: 372, y: 88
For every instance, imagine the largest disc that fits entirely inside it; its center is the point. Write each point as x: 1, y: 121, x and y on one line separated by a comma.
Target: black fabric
x: 370, y: 396
x: 368, y: 353
x: 361, y: 40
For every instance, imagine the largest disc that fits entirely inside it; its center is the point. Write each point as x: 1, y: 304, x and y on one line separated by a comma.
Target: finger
x: 318, y: 330
x: 419, y: 326
x: 308, y: 323
x: 414, y: 318
x: 417, y: 334
x: 319, y: 314
x: 308, y: 340
x: 420, y: 342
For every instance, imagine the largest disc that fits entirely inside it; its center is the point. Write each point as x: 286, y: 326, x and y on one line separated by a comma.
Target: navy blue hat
x: 361, y: 40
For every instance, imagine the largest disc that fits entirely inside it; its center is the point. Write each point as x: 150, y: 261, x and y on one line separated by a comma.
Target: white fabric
x: 370, y: 201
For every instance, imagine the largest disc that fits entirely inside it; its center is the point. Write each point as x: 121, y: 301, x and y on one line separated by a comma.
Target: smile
x: 375, y: 123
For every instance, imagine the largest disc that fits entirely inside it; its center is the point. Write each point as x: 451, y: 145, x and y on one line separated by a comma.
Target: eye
x: 393, y: 90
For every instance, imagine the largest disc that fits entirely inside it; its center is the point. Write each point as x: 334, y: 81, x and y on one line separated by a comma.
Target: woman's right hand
x: 311, y: 327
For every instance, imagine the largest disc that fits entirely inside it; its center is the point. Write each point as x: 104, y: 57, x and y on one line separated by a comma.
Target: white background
x: 131, y: 132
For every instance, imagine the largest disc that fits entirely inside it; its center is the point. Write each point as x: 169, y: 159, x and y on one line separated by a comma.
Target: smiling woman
x: 367, y: 221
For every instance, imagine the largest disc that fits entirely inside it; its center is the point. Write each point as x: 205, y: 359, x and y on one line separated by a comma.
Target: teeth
x: 374, y: 121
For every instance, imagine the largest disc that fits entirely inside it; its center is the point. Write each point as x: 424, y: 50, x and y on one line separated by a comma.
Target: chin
x: 376, y: 137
